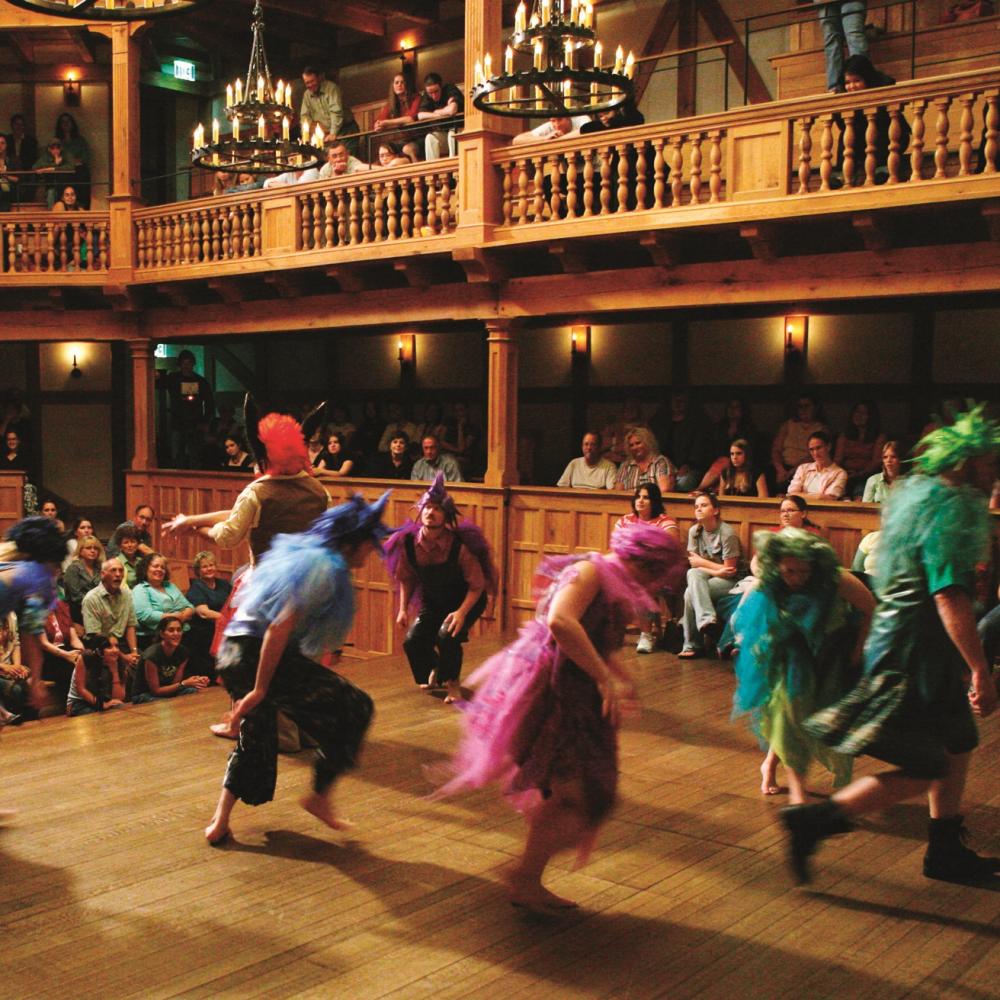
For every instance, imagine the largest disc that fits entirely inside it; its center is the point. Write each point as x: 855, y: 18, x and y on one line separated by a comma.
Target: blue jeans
x: 842, y: 23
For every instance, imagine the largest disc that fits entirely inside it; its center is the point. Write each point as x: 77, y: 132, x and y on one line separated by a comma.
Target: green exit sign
x: 184, y: 70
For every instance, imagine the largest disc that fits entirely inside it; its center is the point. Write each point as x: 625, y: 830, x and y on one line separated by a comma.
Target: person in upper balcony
x: 8, y: 180
x: 878, y: 486
x: 53, y: 160
x: 76, y: 149
x: 822, y: 478
x: 440, y: 100
x: 68, y: 201
x: 391, y: 154
x: 624, y: 115
x: 396, y: 464
x: 552, y: 128
x: 843, y: 24
x: 400, y: 110
x: 21, y: 144
x: 321, y: 103
x: 590, y: 471
x: 339, y: 162
x: 191, y: 403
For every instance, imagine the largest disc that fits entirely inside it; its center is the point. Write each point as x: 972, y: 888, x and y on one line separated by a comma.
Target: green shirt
x: 108, y: 614
x: 324, y: 108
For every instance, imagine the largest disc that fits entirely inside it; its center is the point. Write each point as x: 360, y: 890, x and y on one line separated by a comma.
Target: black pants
x: 324, y: 705
x: 429, y: 647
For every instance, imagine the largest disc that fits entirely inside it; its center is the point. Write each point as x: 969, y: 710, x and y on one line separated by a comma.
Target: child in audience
x: 163, y: 666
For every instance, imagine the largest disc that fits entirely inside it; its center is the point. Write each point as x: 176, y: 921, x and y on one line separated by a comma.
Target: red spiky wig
x: 286, y: 448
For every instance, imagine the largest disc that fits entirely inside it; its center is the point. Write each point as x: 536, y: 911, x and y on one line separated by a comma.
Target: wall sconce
x: 580, y: 342
x: 406, y: 345
x: 71, y: 91
x: 76, y: 371
x: 796, y: 338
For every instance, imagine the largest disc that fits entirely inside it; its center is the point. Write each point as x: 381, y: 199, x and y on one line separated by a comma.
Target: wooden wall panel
x: 11, y: 499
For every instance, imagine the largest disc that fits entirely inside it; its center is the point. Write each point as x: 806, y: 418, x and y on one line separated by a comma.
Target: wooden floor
x: 108, y: 890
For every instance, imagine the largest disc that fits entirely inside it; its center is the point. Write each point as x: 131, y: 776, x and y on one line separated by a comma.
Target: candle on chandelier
x: 215, y: 131
x: 279, y: 93
x: 520, y: 17
x: 261, y: 128
x: 568, y: 54
x: 318, y: 137
x: 239, y: 91
x: 478, y: 78
x: 534, y: 22
x: 304, y: 130
x: 567, y: 89
x: 574, y: 11
x: 286, y: 127
x: 538, y: 53
x: 236, y: 129
x: 488, y: 65
x: 619, y: 59
x: 260, y: 89
x: 229, y: 95
x: 588, y: 16
x: 546, y: 11
x: 508, y: 61
x: 598, y: 53
x: 199, y: 137
x: 630, y: 66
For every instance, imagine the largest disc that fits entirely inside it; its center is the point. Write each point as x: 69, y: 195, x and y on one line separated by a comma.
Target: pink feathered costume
x: 536, y: 716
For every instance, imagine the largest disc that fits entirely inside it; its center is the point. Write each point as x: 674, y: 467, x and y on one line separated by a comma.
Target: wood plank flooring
x: 108, y: 890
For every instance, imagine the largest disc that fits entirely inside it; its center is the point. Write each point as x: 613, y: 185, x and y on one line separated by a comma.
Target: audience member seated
x: 247, y: 182
x: 440, y: 100
x: 50, y: 510
x: 878, y: 487
x: 623, y: 116
x: 82, y: 528
x: 716, y: 558
x: 237, y: 457
x: 13, y: 458
x: 396, y: 423
x: 433, y: 423
x: 142, y: 521
x: 108, y: 611
x: 400, y: 110
x: 97, y: 683
x: 369, y: 432
x: 337, y: 461
x: 645, y: 464
x: 340, y: 423
x: 67, y: 201
x: 164, y: 664
x: 155, y: 596
x: 61, y: 648
x: 76, y: 149
x: 463, y: 439
x: 291, y: 177
x: 865, y: 560
x: 616, y: 430
x: 685, y: 437
x: 207, y: 593
x: 126, y: 539
x: 793, y: 512
x: 339, y: 162
x: 590, y: 471
x: 316, y: 449
x: 647, y: 507
x: 82, y: 575
x: 552, y: 128
x: 859, y: 448
x: 397, y: 464
x: 15, y: 702
x: 741, y: 477
x: 433, y: 461
x: 22, y: 146
x: 390, y: 154
x: 321, y: 103
x: 822, y: 478
x: 54, y: 160
x: 8, y: 179
x: 791, y: 444
x: 860, y: 74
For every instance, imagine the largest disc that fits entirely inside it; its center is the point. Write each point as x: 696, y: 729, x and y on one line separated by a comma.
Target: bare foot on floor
x: 217, y: 832
x: 769, y: 780
x: 533, y: 896
x: 320, y: 807
x: 225, y: 730
x: 454, y: 694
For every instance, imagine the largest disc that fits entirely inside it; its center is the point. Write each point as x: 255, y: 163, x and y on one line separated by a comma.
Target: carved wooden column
x: 501, y: 422
x: 143, y: 404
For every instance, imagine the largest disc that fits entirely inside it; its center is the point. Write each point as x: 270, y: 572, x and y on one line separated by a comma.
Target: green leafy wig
x: 773, y: 546
x: 972, y: 433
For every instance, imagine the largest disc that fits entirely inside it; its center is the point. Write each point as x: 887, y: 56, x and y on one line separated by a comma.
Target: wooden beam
x: 21, y: 44
x: 481, y: 265
x: 572, y: 257
x: 419, y: 272
x: 722, y: 28
x: 764, y: 240
x: 288, y: 286
x: 335, y: 15
x: 230, y: 289
x: 77, y: 37
x: 664, y: 249
x: 349, y: 279
x: 874, y: 231
x: 176, y: 294
x: 991, y: 213
x: 687, y: 65
x: 124, y: 298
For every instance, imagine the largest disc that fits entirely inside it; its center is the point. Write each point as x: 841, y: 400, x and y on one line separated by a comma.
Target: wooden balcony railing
x: 775, y: 151
x: 47, y: 243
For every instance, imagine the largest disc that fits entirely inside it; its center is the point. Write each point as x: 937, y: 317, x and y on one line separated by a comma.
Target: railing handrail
x: 58, y: 218
x: 750, y: 114
x: 722, y: 44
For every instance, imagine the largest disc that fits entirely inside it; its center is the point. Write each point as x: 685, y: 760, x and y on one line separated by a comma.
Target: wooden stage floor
x: 108, y: 889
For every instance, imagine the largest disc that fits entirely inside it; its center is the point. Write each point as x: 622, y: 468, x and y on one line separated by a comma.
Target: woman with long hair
x: 740, y: 477
x: 400, y: 110
x: 878, y: 486
x: 336, y: 461
x: 83, y: 574
x: 859, y: 448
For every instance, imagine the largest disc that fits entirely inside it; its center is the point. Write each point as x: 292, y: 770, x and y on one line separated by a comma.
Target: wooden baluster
x: 641, y: 174
x: 206, y: 235
x: 917, y: 142
x: 659, y: 174
x: 826, y: 153
x: 343, y: 208
x: 419, y: 203
x: 256, y: 217
x: 588, y: 182
x: 102, y: 247
x: 225, y: 233
x: 431, y: 224
x: 140, y: 243
x: 316, y: 210
x: 555, y: 198
x: 941, y: 152
x: 50, y: 255
x: 715, y: 167
x: 676, y: 170
x: 178, y: 239
x: 848, y: 165
x: 444, y: 205
x: 246, y: 250
x: 75, y: 258
x: 965, y: 137
x: 367, y: 227
x: 990, y: 147
x: 379, y: 212
x: 695, y: 182
x: 405, y: 211
x: 391, y: 212
x: 505, y: 204
x: 538, y: 188
x: 305, y: 222
x: 154, y: 252
x: 329, y: 215
x: 871, y: 146
x: 895, y: 159
x: 622, y: 149
x: 65, y: 248
x: 573, y: 199
x: 186, y: 238
x: 354, y: 228
x: 805, y: 153
x: 216, y: 235
x: 605, y: 194
x: 522, y: 191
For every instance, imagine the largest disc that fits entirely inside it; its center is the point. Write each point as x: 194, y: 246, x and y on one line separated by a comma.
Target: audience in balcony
x: 616, y: 430
x: 191, y: 404
x: 22, y: 146
x: 433, y: 461
x: 341, y: 423
x: 684, y: 435
x: 401, y: 109
x: 736, y: 423
x: 396, y: 423
x: 433, y: 424
x: 237, y: 457
x: 54, y: 160
x: 843, y: 24
x: 8, y: 179
x: 321, y: 103
x: 623, y: 116
x: 878, y: 487
x: 552, y: 128
x: 645, y: 464
x: 67, y: 201
x: 76, y: 150
x: 391, y: 154
x: 83, y: 574
x: 339, y: 161
x: 369, y: 433
x: 336, y: 461
x: 97, y: 684
x: 291, y: 177
x: 716, y: 558
x: 859, y: 447
x: 247, y: 182
x: 155, y: 596
x: 741, y: 477
x: 440, y: 101
x: 127, y: 542
x: 791, y: 444
x: 822, y: 478
x: 394, y: 464
x: 590, y: 471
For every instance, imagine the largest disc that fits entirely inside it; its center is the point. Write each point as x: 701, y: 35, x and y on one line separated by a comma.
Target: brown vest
x: 286, y: 506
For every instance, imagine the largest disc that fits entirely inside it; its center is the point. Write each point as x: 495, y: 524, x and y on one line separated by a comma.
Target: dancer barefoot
x: 769, y: 774
x: 443, y: 568
x: 298, y: 606
x: 797, y: 644
x: 545, y: 719
x: 914, y: 707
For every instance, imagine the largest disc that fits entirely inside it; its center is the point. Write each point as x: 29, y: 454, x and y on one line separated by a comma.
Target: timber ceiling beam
x: 20, y: 42
x: 232, y: 291
x: 657, y: 41
x: 664, y: 249
x: 77, y: 37
x: 333, y: 15
x: 125, y: 298
x: 419, y: 272
x: 481, y: 266
x: 287, y: 285
x: 991, y: 213
x: 764, y: 239
x: 874, y: 230
x: 572, y: 258
x: 349, y: 279
x: 177, y: 294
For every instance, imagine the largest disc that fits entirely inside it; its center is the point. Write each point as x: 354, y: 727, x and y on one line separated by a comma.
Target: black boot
x: 949, y: 859
x: 807, y: 826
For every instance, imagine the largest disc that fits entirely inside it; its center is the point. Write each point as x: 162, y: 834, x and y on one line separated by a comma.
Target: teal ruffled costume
x: 793, y: 652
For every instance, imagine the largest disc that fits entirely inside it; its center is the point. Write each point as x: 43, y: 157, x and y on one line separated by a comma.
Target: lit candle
x: 574, y: 11
x: 478, y: 74
x: 508, y: 61
x: 567, y: 89
x: 229, y: 95
x: 630, y: 66
x: 488, y: 65
x: 588, y: 16
x: 279, y: 93
x: 598, y: 53
x: 593, y: 92
x: 520, y: 17
x: 534, y: 19
x: 568, y: 54
x: 199, y: 137
x: 318, y: 137
x: 619, y: 59
x: 260, y: 89
x: 546, y: 11
x: 261, y: 128
x: 236, y: 129
x: 286, y: 126
x: 215, y: 131
x: 239, y: 91
x: 538, y: 53
x: 304, y: 130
